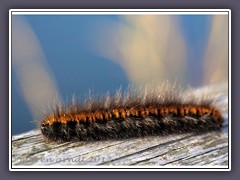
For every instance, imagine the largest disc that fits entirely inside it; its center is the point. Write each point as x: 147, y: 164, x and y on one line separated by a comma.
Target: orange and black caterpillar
x: 132, y: 115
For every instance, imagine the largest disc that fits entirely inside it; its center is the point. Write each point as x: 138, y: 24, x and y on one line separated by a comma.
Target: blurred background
x: 57, y: 56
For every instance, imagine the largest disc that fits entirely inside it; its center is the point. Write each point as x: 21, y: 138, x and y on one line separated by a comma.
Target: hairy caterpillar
x: 131, y: 114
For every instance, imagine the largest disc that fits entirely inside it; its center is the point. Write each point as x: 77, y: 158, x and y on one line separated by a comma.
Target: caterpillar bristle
x: 131, y: 114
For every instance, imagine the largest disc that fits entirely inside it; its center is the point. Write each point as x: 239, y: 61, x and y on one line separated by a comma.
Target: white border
x: 122, y: 168
x: 10, y: 90
x: 229, y: 91
x: 119, y: 12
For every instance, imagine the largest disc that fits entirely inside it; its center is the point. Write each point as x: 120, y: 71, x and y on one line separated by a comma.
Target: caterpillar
x: 134, y: 113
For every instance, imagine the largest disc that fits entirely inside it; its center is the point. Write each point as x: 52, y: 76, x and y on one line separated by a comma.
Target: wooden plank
x: 206, y: 149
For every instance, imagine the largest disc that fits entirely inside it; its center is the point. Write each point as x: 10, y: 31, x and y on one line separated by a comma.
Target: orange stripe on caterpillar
x: 168, y: 115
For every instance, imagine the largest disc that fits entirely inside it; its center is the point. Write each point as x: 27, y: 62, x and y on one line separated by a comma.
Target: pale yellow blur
x: 38, y: 87
x: 153, y: 49
x: 150, y: 48
x: 216, y: 59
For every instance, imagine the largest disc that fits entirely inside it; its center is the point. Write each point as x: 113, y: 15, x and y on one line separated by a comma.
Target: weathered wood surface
x: 205, y: 150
